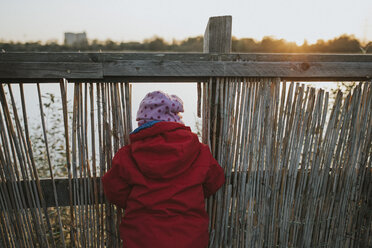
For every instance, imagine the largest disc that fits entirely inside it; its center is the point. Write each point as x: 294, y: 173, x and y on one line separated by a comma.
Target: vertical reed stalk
x: 50, y: 166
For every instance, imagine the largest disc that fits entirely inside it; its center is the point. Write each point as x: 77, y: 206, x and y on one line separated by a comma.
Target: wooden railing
x: 173, y: 67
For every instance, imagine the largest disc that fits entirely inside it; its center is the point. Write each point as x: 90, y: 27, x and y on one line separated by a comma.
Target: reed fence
x: 100, y: 124
x: 296, y: 175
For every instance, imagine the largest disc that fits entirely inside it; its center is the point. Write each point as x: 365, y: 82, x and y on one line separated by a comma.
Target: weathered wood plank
x: 237, y: 69
x: 149, y: 70
x: 50, y: 70
x: 95, y: 57
x: 217, y: 39
x: 63, y: 189
x: 217, y: 36
x: 62, y: 186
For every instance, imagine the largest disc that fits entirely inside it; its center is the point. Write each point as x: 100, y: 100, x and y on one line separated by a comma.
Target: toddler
x: 162, y: 178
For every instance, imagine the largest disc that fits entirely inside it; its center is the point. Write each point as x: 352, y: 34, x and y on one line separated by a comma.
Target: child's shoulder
x: 205, y: 155
x: 124, y: 149
x: 123, y: 152
x: 205, y: 148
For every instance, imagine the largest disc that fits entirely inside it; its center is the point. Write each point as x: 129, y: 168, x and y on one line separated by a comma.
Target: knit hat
x: 159, y: 106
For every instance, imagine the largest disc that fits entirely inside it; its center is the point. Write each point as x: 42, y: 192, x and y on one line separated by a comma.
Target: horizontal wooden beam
x: 62, y: 186
x: 39, y: 67
x: 115, y: 57
x: 31, y: 70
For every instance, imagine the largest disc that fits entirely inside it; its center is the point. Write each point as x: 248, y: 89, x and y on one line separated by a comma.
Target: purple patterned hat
x: 159, y: 106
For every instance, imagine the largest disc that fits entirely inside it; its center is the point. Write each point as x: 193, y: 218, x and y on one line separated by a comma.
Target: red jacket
x: 161, y: 179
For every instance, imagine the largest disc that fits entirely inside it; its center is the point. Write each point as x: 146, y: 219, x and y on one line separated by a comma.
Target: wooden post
x: 217, y: 36
x: 217, y: 39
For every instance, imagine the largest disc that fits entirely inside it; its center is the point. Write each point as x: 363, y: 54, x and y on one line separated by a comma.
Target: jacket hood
x: 164, y: 150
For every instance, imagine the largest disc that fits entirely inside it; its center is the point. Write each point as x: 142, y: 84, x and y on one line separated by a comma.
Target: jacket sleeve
x: 215, y: 178
x: 116, y: 188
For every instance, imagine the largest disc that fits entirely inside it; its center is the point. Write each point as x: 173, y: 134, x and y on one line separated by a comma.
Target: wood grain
x: 185, y: 67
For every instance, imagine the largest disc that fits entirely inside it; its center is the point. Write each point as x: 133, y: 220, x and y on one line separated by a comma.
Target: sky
x: 293, y: 20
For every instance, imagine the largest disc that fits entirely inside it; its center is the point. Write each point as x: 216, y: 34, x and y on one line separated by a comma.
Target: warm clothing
x: 159, y: 106
x: 161, y: 179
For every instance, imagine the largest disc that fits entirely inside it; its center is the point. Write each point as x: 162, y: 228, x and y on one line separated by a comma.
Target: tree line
x: 341, y: 44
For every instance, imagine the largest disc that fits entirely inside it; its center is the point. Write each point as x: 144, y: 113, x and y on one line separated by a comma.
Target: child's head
x: 159, y: 106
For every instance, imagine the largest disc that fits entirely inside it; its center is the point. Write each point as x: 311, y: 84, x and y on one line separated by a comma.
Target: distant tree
x: 192, y: 44
x: 343, y: 44
x: 366, y: 48
x: 156, y: 44
x: 245, y: 45
x: 110, y: 45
